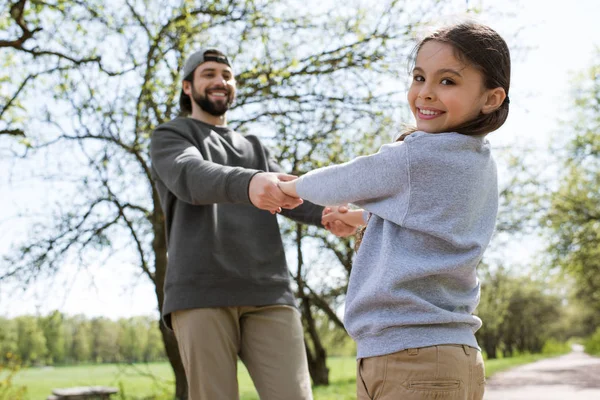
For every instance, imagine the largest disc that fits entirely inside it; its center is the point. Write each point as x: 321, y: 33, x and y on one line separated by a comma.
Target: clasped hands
x: 265, y: 194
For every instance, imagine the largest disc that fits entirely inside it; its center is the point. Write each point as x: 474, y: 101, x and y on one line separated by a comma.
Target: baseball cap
x: 200, y: 57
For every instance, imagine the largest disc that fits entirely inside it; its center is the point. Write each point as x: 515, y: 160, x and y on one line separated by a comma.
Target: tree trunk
x: 159, y: 246
x: 490, y: 346
x: 317, y: 362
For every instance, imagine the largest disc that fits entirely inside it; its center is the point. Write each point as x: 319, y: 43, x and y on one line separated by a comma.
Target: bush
x: 8, y: 370
x: 592, y: 344
x: 553, y: 346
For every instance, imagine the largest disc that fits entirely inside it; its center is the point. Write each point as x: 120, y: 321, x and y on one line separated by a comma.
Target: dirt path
x: 572, y: 376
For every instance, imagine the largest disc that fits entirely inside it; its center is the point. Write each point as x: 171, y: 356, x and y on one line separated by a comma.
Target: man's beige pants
x: 269, y: 340
x: 448, y: 372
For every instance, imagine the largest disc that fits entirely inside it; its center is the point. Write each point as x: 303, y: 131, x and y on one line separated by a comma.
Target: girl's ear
x: 495, y: 98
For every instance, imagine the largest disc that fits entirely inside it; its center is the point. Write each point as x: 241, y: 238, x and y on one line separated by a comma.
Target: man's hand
x: 266, y: 195
x: 338, y: 228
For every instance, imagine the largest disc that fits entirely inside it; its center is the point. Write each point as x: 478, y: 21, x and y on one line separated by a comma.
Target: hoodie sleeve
x: 179, y: 165
x: 380, y: 183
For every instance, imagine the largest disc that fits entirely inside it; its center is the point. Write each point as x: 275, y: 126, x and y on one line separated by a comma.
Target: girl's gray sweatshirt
x: 434, y: 200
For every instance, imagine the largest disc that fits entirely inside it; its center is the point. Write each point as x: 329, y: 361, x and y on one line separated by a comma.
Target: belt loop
x: 413, y: 352
x: 466, y: 349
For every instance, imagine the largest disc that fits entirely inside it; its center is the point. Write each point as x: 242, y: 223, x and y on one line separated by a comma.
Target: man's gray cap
x: 200, y: 57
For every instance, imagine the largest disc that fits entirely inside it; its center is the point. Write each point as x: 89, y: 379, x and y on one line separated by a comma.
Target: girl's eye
x: 418, y: 78
x: 447, y: 82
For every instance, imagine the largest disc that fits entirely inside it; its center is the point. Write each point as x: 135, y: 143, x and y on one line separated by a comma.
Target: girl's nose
x: 426, y: 92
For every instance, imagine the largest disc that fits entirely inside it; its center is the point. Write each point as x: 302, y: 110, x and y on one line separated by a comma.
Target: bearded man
x: 227, y: 287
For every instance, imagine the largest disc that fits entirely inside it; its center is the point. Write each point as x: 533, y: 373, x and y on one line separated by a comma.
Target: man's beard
x: 216, y: 109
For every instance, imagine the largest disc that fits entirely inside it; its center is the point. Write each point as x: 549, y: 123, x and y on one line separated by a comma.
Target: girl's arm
x: 365, y: 179
x: 353, y: 218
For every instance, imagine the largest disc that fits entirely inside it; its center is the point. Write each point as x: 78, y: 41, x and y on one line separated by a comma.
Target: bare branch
x: 16, y: 12
x: 12, y: 132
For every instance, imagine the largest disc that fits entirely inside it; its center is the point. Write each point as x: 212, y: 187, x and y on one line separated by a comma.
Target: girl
x: 432, y: 200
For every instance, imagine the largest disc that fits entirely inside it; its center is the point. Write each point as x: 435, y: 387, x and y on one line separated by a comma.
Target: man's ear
x: 495, y: 98
x: 187, y: 88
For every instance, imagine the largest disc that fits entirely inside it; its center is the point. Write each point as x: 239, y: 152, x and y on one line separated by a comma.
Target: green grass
x: 155, y: 381
x: 138, y: 381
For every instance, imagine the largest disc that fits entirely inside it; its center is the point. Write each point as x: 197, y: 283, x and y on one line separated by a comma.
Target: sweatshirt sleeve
x: 181, y: 167
x: 307, y: 212
x: 379, y: 183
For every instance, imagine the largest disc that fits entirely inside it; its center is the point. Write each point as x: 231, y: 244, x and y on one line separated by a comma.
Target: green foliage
x: 592, y: 344
x: 9, y: 367
x: 57, y: 339
x: 31, y: 343
x: 517, y: 314
x: 554, y: 347
x: 53, y: 328
x: 572, y: 219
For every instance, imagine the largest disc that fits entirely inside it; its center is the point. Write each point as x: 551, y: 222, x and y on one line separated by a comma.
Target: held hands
x: 274, y: 191
x: 265, y: 193
x: 336, y: 220
x: 289, y: 187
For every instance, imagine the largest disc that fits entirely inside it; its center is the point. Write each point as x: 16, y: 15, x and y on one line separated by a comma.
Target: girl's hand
x: 352, y: 218
x: 288, y: 187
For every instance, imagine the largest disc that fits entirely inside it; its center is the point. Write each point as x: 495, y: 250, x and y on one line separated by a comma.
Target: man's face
x: 213, y: 89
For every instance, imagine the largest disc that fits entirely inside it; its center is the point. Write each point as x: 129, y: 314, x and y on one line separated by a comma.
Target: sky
x: 560, y: 37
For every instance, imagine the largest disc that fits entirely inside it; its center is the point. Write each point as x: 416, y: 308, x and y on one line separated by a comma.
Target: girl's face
x: 444, y: 92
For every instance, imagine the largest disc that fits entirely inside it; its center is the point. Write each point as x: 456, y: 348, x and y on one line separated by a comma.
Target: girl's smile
x: 428, y: 113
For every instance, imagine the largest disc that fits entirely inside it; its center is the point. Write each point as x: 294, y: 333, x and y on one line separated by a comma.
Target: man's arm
x: 184, y: 171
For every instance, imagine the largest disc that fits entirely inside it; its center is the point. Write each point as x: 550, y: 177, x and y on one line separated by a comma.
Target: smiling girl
x: 430, y: 202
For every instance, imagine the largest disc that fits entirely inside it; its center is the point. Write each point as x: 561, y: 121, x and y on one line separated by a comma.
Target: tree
x: 91, y: 82
x: 8, y: 340
x: 519, y: 313
x: 53, y: 328
x: 82, y: 339
x: 155, y: 350
x: 573, y: 218
x: 31, y: 342
x: 105, y: 334
x: 496, y: 290
x: 530, y: 313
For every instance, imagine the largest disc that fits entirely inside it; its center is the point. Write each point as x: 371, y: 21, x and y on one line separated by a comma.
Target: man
x: 227, y: 289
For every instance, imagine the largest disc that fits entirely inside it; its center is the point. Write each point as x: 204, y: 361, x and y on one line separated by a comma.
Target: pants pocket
x: 434, y: 385
x: 361, y: 387
x: 371, y: 377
